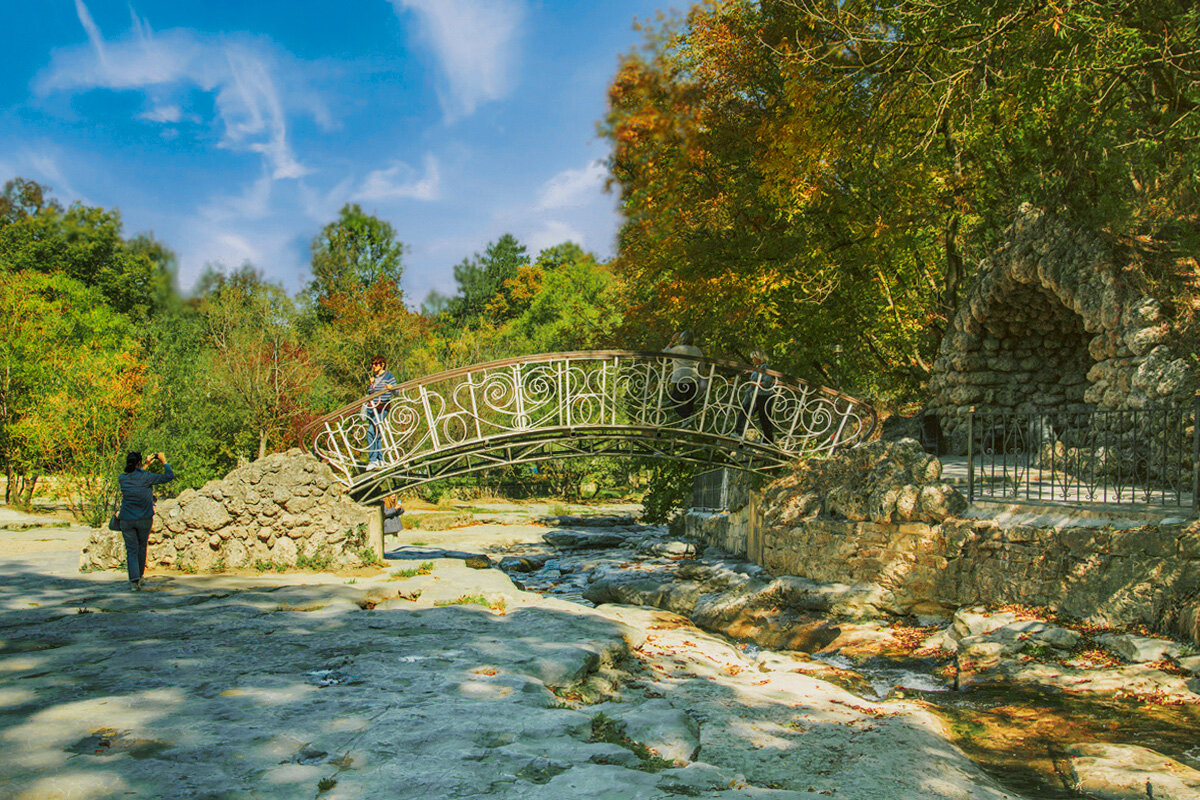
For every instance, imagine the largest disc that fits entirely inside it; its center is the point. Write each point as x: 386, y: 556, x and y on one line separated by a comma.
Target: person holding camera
x: 137, y: 510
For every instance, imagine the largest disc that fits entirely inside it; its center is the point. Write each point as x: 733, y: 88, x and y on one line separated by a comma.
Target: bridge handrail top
x: 591, y: 355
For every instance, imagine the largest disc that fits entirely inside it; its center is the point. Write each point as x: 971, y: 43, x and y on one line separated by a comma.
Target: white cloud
x: 252, y: 83
x: 400, y: 181
x: 475, y: 42
x: 167, y: 113
x: 572, y: 187
x: 551, y: 233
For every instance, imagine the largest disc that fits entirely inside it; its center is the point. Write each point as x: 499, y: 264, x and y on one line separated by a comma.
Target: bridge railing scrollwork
x: 560, y: 405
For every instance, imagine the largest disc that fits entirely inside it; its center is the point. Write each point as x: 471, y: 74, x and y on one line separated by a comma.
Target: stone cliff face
x: 283, y: 510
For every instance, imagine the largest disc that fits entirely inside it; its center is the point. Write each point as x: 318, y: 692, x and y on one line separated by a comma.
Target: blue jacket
x: 137, y: 493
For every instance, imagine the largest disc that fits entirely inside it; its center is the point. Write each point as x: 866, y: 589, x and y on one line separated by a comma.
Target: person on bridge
x: 374, y: 411
x: 758, y: 396
x: 137, y: 511
x: 685, y: 383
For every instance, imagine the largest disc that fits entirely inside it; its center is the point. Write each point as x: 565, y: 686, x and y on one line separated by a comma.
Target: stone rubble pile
x: 883, y: 482
x: 284, y: 510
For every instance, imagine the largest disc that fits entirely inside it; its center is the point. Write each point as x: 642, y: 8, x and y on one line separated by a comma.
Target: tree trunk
x: 30, y: 484
x: 954, y: 264
x: 262, y: 443
x: 8, y: 483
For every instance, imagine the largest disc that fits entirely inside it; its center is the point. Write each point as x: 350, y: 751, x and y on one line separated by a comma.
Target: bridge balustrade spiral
x: 584, y: 404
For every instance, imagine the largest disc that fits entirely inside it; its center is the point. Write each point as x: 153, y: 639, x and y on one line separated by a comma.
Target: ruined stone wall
x: 284, y: 510
x: 1149, y: 575
x: 1052, y: 323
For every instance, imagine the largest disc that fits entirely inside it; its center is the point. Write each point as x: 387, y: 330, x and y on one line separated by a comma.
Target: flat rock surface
x: 452, y: 683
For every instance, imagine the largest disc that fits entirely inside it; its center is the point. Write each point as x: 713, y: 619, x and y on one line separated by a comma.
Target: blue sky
x: 233, y: 130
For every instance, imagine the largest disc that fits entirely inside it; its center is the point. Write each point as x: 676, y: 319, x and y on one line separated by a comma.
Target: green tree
x: 259, y: 366
x: 574, y: 304
x: 817, y: 177
x: 482, y: 293
x: 354, y: 252
x: 82, y: 242
x: 70, y: 381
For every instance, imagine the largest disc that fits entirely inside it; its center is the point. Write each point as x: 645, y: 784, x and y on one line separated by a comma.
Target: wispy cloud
x: 553, y: 233
x: 476, y: 43
x: 572, y: 187
x: 254, y: 85
x: 400, y: 181
x: 169, y: 113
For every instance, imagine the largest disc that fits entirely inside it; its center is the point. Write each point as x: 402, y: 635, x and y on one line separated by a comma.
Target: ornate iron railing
x: 1145, y: 456
x: 592, y: 403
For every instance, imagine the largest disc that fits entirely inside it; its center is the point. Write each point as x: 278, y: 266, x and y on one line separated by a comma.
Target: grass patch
x: 319, y: 561
x: 368, y: 556
x: 606, y: 729
x: 437, y: 520
x: 499, y: 605
x: 425, y: 568
x: 464, y: 600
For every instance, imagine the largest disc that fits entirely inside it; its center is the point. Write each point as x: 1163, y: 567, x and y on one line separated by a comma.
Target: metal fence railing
x: 710, y: 490
x: 1145, y: 456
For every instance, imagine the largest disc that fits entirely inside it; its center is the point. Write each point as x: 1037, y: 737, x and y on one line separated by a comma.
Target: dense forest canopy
x: 821, y: 177
x: 816, y: 179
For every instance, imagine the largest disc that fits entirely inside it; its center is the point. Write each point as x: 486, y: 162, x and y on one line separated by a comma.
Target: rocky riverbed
x: 442, y: 677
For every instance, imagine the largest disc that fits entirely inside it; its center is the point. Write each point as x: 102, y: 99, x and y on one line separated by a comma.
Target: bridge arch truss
x: 584, y: 404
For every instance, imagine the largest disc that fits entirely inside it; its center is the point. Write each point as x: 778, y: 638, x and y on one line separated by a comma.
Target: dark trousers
x: 761, y: 407
x: 136, y: 533
x: 683, y: 397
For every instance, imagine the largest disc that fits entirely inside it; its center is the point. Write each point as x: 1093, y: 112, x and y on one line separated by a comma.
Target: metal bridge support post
x: 375, y: 530
x: 971, y: 456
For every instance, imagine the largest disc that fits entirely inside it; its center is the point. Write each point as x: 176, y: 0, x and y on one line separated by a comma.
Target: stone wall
x: 284, y: 510
x: 1052, y: 323
x: 1149, y: 575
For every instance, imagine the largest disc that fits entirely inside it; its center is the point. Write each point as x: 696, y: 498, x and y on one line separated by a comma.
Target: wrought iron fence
x: 710, y: 490
x: 1145, y: 456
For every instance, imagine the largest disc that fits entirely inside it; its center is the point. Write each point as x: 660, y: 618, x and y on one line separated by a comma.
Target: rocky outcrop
x: 1052, y: 323
x: 884, y: 482
x: 284, y: 510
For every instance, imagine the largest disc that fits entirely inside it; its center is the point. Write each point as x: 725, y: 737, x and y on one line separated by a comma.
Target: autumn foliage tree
x: 819, y: 177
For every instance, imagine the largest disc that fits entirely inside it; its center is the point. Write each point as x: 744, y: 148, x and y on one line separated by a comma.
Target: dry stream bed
x: 607, y: 660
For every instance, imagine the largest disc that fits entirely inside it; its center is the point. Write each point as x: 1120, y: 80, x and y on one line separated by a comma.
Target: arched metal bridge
x: 590, y: 403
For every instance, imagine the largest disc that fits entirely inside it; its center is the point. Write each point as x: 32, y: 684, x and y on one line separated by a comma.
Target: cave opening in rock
x: 1030, y: 355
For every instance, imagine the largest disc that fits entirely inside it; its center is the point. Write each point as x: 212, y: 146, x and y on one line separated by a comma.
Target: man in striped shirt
x: 375, y: 409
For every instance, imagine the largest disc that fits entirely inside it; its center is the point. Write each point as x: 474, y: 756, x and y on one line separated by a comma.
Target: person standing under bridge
x: 374, y: 411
